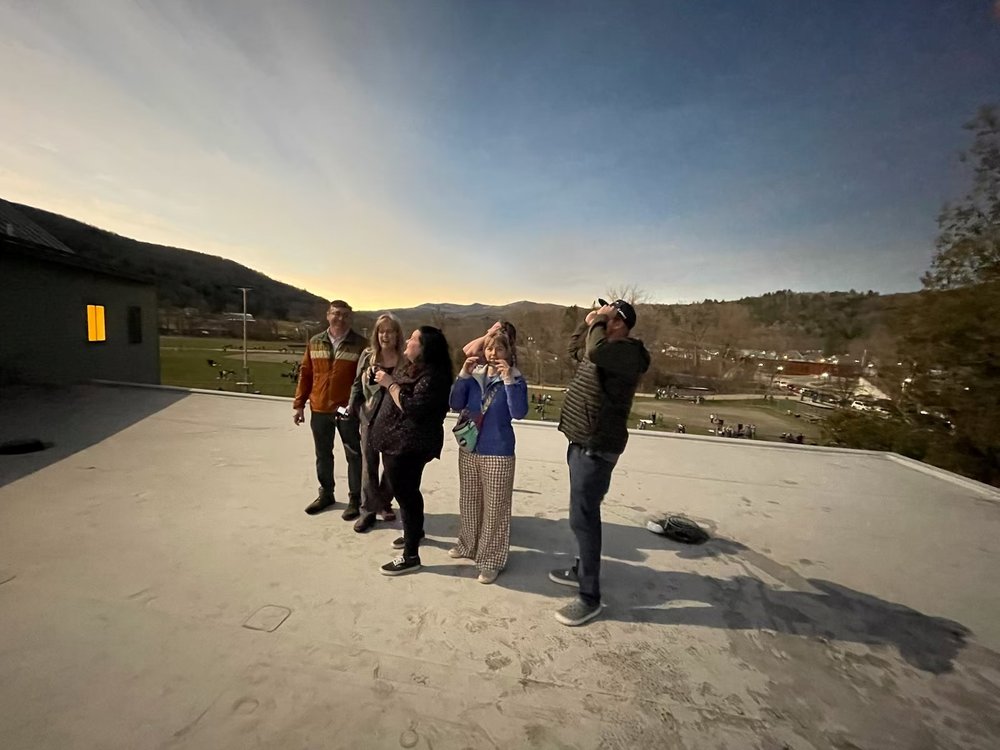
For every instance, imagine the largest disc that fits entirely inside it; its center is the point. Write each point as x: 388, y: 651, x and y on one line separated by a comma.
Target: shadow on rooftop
x: 68, y: 420
x: 811, y: 608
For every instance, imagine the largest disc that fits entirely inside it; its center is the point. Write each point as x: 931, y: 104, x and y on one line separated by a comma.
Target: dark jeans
x: 404, y: 472
x: 324, y: 428
x: 589, y: 479
x: 376, y: 493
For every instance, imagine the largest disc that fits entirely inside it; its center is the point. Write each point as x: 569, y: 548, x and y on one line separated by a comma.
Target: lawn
x: 771, y: 418
x: 230, y: 344
x: 184, y: 361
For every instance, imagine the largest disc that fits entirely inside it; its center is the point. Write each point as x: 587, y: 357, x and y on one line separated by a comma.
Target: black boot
x: 365, y: 523
x: 320, y: 504
x: 352, y: 511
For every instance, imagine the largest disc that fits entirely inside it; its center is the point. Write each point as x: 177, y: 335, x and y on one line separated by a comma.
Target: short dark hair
x: 434, y: 350
x: 339, y: 303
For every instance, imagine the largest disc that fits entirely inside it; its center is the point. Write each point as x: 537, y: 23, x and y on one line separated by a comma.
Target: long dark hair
x: 435, y: 354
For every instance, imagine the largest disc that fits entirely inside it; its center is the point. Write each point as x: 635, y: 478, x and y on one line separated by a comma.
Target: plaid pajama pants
x: 486, y: 485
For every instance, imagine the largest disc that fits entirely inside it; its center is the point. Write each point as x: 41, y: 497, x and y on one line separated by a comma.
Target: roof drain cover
x: 267, y: 618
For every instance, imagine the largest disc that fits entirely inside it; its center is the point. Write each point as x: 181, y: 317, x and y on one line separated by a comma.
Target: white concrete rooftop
x: 847, y: 600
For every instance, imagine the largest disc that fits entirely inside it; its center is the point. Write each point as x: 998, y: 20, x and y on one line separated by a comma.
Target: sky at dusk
x: 394, y: 153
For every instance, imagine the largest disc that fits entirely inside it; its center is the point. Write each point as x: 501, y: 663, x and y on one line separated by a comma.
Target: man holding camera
x: 595, y: 421
x: 328, y: 370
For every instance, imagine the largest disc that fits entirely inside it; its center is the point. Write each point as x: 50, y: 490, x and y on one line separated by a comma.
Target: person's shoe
x: 364, y: 523
x: 577, y: 612
x: 388, y: 515
x: 319, y: 505
x: 488, y: 576
x: 400, y: 542
x: 566, y: 576
x: 351, y: 512
x: 456, y: 554
x: 401, y: 565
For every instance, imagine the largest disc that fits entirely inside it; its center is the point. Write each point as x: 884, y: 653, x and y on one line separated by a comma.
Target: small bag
x: 466, y: 432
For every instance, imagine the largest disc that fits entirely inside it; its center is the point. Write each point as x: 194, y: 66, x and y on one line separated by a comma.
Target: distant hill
x: 184, y: 278
x: 781, y: 321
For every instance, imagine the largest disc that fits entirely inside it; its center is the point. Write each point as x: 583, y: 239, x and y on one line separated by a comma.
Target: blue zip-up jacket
x: 496, y: 435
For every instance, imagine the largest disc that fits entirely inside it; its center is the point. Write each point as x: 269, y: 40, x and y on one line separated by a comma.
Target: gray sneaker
x: 577, y: 612
x: 566, y: 577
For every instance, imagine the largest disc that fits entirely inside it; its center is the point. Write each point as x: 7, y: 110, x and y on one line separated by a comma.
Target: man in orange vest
x: 328, y: 369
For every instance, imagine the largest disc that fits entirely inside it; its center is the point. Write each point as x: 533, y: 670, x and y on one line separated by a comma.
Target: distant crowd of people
x: 721, y: 429
x: 387, y: 399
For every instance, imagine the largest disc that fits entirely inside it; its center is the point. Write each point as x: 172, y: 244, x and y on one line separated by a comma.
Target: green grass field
x: 771, y: 418
x: 184, y: 362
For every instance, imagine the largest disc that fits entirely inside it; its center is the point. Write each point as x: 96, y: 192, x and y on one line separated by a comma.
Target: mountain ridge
x: 783, y: 319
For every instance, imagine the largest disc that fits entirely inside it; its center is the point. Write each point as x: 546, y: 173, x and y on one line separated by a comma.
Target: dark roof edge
x: 35, y: 251
x: 26, y: 229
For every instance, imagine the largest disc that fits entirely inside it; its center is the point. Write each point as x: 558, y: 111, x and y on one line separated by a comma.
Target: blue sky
x: 394, y: 153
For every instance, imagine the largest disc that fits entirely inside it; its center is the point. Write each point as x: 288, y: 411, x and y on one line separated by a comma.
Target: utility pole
x: 246, y: 373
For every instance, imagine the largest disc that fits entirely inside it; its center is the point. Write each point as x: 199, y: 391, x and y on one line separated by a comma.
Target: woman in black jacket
x: 408, y: 431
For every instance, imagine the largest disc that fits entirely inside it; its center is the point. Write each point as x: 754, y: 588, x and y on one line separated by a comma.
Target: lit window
x: 95, y: 323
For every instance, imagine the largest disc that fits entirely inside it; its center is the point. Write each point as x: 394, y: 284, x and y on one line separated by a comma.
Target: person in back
x: 408, y: 431
x: 491, y: 394
x: 595, y: 421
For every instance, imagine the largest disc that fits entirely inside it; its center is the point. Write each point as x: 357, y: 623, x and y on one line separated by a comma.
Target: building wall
x: 43, y: 325
x: 813, y: 369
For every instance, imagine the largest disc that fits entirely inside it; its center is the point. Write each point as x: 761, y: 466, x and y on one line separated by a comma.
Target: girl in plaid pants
x: 493, y: 394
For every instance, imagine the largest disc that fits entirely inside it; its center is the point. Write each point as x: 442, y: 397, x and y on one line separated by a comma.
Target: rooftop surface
x: 847, y: 600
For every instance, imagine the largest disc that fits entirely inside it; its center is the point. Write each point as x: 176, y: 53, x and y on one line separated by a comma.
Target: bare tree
x: 694, y: 323
x: 631, y: 293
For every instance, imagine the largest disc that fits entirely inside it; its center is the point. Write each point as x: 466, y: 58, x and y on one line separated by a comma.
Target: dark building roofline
x: 34, y: 251
x: 14, y: 224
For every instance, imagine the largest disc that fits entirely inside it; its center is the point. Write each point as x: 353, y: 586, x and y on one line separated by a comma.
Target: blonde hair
x: 501, y: 338
x: 396, y: 326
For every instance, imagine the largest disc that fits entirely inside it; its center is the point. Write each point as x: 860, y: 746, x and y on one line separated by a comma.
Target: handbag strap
x: 490, y: 395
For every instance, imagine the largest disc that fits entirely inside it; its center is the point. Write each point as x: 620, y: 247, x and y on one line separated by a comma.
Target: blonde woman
x: 493, y: 394
x: 383, y: 355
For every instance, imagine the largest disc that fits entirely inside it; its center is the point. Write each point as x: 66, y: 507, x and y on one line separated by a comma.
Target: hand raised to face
x: 503, y: 368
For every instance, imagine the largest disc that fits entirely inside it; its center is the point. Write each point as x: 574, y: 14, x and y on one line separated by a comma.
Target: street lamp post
x: 246, y: 373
